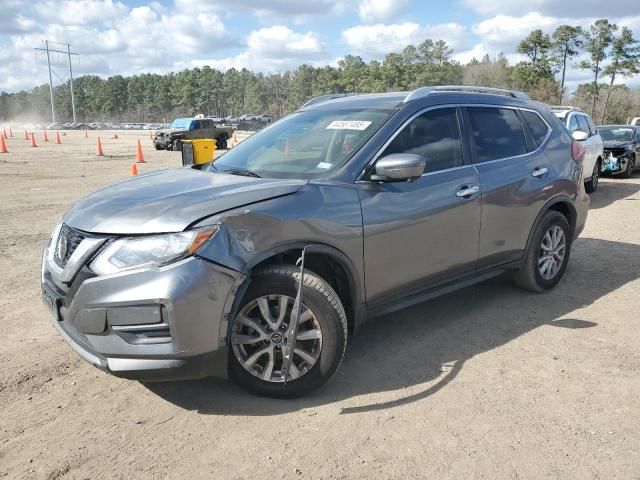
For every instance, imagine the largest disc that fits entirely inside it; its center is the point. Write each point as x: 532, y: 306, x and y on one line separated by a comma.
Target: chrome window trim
x: 473, y: 162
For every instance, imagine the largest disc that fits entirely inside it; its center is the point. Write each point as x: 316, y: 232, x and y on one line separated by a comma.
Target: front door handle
x: 466, y: 192
x: 538, y: 172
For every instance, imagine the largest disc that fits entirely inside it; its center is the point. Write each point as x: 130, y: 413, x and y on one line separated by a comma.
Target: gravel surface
x: 487, y: 382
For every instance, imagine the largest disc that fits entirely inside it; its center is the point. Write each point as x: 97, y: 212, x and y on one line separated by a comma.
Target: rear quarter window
x: 537, y: 127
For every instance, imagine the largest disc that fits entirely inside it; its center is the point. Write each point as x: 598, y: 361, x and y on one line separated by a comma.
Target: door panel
x: 513, y: 187
x: 419, y: 234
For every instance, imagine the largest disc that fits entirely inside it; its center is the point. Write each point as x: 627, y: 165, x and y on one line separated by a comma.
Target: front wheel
x: 592, y: 185
x: 628, y: 170
x: 259, y: 330
x: 547, y: 254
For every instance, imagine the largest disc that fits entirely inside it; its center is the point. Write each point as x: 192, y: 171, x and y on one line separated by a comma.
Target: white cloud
x: 581, y: 9
x: 372, y: 11
x: 274, y: 49
x: 380, y: 39
x: 112, y: 39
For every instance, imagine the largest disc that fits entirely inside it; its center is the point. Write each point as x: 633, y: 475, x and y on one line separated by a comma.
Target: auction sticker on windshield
x: 348, y: 125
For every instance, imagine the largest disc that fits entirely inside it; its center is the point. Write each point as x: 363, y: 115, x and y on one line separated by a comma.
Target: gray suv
x: 261, y: 264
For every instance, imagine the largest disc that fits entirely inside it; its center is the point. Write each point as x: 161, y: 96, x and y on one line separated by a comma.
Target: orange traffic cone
x: 33, y: 140
x: 99, y: 148
x: 44, y: 135
x: 134, y: 170
x: 4, y: 133
x: 3, y: 145
x: 10, y: 132
x: 150, y: 135
x: 86, y: 135
x: 139, y: 155
x: 58, y: 142
x: 26, y: 135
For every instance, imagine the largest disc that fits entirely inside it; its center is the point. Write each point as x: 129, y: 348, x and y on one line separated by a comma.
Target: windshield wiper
x: 242, y: 171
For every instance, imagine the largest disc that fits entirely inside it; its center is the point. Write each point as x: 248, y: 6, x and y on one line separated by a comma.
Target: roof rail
x: 324, y: 98
x: 565, y: 107
x: 425, y: 91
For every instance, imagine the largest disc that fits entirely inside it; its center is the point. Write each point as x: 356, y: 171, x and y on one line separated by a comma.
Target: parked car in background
x: 192, y: 272
x: 191, y: 128
x: 635, y: 121
x: 621, y: 149
x: 578, y: 121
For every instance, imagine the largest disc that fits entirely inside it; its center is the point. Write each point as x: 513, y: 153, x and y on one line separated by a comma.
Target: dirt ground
x: 488, y: 382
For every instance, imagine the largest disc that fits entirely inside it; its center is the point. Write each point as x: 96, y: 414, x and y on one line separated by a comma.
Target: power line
x: 68, y: 53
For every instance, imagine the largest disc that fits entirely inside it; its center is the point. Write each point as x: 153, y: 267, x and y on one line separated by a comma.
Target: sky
x: 129, y: 37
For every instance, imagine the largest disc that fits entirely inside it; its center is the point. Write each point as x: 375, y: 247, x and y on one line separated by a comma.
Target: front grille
x: 68, y: 241
x: 616, y: 152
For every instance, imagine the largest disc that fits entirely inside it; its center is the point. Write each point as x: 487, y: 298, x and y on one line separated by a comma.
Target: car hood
x: 613, y: 144
x: 168, y: 131
x: 170, y: 200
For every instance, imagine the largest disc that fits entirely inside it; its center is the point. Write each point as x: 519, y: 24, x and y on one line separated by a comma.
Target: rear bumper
x: 164, y: 323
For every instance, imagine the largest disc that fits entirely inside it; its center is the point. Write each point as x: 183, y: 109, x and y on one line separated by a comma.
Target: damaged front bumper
x: 614, y: 165
x: 164, y: 323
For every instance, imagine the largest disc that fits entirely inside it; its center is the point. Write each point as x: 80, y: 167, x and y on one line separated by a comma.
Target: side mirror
x: 399, y: 167
x: 579, y: 135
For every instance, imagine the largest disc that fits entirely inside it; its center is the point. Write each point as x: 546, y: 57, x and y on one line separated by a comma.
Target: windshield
x: 181, y: 123
x: 304, y: 144
x: 616, y: 134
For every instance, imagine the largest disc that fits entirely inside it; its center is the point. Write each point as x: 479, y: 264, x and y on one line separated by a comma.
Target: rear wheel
x: 221, y: 143
x: 547, y: 255
x: 592, y: 185
x: 258, y: 334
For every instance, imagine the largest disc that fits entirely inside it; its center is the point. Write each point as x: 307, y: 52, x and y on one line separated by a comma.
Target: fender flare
x: 355, y: 283
x: 554, y: 201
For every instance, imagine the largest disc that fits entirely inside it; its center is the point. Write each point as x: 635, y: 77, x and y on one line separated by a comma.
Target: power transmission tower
x: 68, y: 53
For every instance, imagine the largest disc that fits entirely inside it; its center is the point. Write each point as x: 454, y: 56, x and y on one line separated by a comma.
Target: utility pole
x: 73, y: 102
x: 53, y: 110
x: 68, y: 53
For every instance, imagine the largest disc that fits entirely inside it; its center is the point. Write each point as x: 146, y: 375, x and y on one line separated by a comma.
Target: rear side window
x: 435, y: 135
x: 537, y: 127
x: 497, y: 133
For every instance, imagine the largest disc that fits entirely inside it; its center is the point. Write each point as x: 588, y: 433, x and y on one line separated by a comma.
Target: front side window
x: 497, y: 133
x: 435, y: 135
x: 573, y: 124
x: 592, y: 127
x: 305, y: 144
x: 583, y: 126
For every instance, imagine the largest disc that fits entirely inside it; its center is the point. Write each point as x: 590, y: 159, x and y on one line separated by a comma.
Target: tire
x: 157, y: 146
x: 221, y: 143
x: 628, y: 172
x: 530, y: 276
x: 327, y: 313
x: 176, y: 146
x: 592, y: 185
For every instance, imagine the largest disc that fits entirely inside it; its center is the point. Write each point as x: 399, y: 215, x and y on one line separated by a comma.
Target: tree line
x: 609, y: 53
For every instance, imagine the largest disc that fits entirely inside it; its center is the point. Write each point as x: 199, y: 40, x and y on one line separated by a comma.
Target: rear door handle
x: 538, y: 172
x: 465, y: 192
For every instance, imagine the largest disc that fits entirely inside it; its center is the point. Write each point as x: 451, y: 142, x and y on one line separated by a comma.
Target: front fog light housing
x: 150, y: 251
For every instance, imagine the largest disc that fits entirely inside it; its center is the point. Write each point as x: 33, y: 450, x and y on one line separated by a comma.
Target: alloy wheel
x: 259, y: 335
x: 552, y: 252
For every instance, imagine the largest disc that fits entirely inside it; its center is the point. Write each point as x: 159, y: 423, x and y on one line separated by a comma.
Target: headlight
x: 150, y: 251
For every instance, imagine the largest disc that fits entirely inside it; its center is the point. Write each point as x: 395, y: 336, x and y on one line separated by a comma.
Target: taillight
x: 577, y: 151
